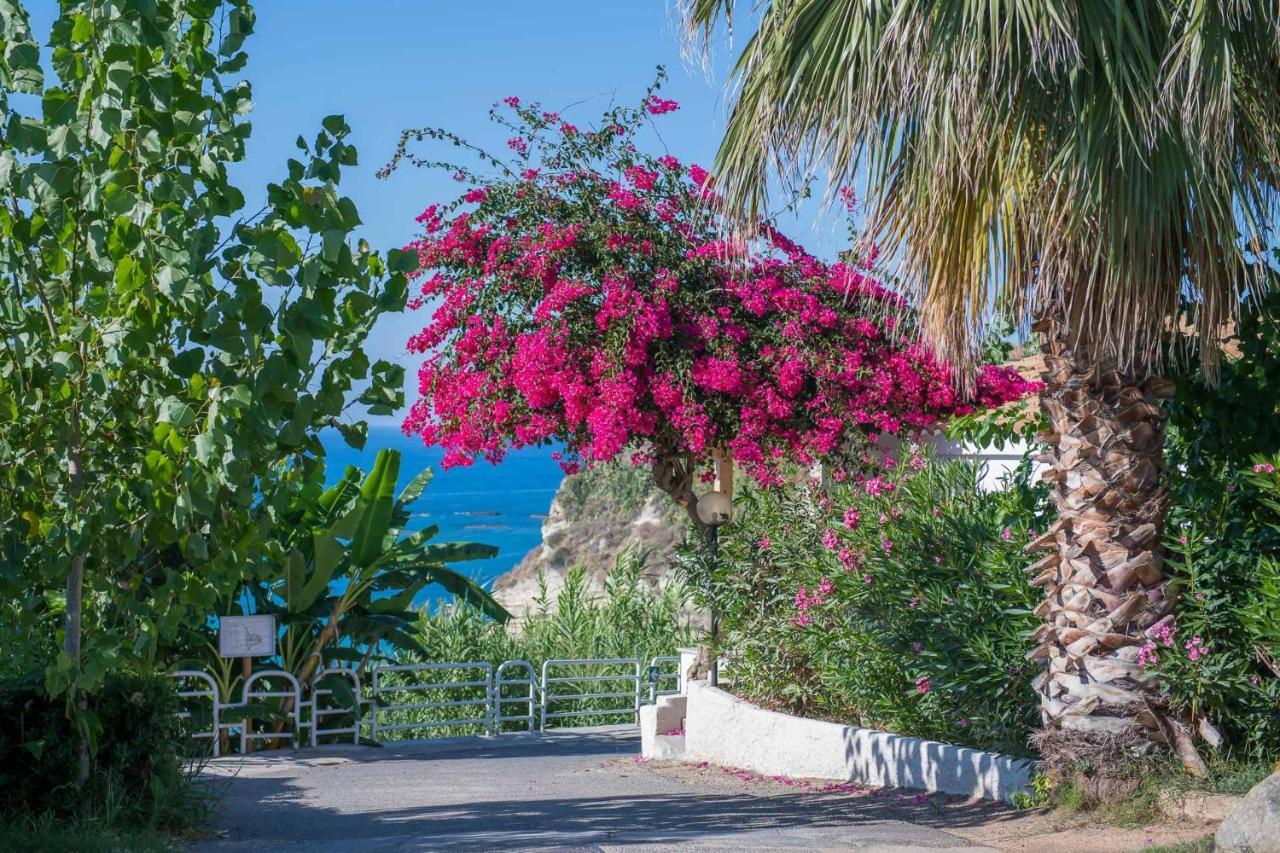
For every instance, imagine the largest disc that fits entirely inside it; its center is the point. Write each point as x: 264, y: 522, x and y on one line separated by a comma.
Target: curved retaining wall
x: 723, y: 729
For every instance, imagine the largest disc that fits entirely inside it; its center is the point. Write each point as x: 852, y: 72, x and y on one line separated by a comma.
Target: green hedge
x: 137, y: 772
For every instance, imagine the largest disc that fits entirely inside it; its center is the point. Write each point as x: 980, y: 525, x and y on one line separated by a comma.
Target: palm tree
x: 1089, y: 166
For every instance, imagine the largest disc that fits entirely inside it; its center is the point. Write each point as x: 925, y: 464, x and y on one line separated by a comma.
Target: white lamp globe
x: 714, y: 508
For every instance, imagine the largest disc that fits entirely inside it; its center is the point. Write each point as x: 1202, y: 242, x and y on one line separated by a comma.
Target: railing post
x: 542, y: 698
x: 637, y: 696
x: 373, y: 705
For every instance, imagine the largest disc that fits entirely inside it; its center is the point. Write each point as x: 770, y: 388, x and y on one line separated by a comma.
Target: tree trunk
x: 1104, y: 583
x: 673, y: 474
x: 71, y: 639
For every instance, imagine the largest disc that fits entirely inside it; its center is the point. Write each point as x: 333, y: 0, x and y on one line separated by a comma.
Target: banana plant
x: 351, y: 573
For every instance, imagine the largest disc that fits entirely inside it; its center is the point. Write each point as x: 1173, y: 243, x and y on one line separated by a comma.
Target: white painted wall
x: 725, y: 730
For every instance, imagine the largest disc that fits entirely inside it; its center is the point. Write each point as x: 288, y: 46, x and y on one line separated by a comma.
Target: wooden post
x: 246, y: 670
x: 724, y: 472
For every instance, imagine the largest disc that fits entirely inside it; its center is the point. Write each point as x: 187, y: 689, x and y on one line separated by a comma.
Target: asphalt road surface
x: 575, y: 791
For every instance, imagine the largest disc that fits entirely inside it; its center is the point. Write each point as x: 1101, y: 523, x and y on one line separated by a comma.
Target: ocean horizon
x: 501, y: 505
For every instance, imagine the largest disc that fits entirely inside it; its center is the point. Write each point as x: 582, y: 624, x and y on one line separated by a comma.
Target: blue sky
x: 388, y: 65
x: 392, y: 64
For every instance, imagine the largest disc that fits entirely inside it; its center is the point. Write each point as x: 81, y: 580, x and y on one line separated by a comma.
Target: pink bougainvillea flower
x: 658, y: 106
x: 590, y: 300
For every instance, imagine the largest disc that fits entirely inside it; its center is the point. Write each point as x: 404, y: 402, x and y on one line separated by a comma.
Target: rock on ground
x: 1254, y: 825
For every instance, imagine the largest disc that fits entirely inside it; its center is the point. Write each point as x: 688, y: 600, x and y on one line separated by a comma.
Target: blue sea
x: 502, y: 505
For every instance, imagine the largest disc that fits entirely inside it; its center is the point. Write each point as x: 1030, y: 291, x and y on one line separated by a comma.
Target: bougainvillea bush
x: 900, y: 602
x: 582, y: 293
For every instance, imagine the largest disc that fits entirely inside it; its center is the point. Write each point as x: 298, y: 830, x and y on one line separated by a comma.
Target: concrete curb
x: 722, y: 729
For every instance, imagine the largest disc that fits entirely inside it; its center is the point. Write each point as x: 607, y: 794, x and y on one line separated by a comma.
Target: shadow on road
x: 544, y: 793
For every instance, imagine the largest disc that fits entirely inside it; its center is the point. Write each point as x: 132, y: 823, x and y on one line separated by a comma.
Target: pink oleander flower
x: 851, y: 518
x: 1006, y: 534
x: 1196, y: 649
x: 1264, y: 468
x: 764, y: 543
x: 924, y: 684
x: 1162, y: 632
x: 879, y: 485
x: 829, y: 539
x: 917, y: 647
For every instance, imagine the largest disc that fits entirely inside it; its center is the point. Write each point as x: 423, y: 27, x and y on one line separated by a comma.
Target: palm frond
x: 1104, y: 162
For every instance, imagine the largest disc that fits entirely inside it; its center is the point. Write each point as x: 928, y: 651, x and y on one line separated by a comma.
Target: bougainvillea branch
x: 583, y: 296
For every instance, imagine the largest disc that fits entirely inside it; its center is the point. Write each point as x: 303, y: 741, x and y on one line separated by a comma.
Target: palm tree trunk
x: 1103, y: 577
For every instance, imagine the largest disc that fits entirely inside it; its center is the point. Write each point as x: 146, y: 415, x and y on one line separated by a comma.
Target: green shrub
x: 1222, y: 659
x: 137, y: 773
x: 1223, y: 543
x: 912, y: 617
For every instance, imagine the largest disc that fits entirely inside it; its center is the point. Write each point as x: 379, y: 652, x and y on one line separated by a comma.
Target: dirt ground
x: 983, y: 823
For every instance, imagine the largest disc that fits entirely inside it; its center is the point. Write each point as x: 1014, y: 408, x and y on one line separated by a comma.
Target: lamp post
x: 715, y: 508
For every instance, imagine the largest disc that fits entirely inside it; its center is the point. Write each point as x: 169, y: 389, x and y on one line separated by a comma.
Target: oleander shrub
x: 1219, y: 655
x: 895, y: 601
x: 137, y: 775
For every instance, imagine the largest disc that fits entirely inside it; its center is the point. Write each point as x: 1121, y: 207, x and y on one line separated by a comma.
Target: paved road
x: 556, y: 792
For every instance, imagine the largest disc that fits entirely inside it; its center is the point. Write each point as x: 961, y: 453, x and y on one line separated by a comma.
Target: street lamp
x: 715, y: 508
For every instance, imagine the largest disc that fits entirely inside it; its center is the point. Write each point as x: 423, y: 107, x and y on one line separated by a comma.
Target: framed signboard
x: 247, y: 636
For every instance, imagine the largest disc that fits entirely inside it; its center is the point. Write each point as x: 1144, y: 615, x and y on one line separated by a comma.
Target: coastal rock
x: 596, y: 514
x: 1254, y: 826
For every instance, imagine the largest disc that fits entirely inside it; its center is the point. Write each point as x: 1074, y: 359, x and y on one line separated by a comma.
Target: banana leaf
x: 462, y: 587
x: 416, y: 486
x: 374, y: 508
x: 339, y: 687
x: 255, y: 711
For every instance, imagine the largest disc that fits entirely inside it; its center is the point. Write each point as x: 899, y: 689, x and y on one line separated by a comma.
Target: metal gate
x: 403, y: 701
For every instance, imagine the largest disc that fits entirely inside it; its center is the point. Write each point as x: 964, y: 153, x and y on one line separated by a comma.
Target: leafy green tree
x: 163, y: 351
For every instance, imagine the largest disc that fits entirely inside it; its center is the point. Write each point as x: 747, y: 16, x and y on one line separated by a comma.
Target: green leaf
x: 355, y: 435
x: 375, y: 506
x: 416, y: 486
x: 464, y: 588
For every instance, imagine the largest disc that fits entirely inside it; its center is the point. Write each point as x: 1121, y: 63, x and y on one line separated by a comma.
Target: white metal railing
x: 292, y: 696
x: 321, y: 709
x: 665, y: 670
x: 474, y: 683
x: 527, y: 701
x: 591, y: 681
x: 421, y: 698
x: 211, y: 693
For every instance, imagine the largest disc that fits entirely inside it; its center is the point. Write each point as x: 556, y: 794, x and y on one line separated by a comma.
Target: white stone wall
x: 725, y: 730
